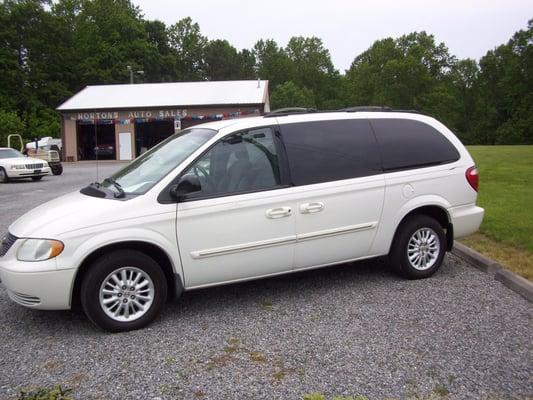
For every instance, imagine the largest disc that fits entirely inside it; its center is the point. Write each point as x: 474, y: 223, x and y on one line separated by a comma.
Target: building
x: 120, y: 122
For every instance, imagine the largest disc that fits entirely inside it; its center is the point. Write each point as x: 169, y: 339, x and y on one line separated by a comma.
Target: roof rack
x: 290, y: 111
x: 301, y: 110
x: 378, y: 109
x: 367, y: 109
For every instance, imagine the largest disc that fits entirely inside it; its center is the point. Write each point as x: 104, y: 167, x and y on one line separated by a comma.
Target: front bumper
x: 27, y: 173
x: 42, y: 287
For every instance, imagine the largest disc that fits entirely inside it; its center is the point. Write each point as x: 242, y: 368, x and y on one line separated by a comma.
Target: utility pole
x: 131, y: 71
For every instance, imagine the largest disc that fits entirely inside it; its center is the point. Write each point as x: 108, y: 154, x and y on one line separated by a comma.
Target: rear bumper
x: 466, y: 219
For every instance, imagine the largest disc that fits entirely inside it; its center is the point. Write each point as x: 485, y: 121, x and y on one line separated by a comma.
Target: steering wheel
x: 204, y: 177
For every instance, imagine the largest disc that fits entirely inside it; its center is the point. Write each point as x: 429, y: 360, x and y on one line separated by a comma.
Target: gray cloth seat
x: 258, y: 177
x: 244, y: 175
x: 231, y: 182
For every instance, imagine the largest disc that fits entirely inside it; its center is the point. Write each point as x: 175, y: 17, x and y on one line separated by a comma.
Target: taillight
x: 472, y: 176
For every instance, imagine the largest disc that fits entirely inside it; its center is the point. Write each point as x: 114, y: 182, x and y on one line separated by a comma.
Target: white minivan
x: 241, y: 199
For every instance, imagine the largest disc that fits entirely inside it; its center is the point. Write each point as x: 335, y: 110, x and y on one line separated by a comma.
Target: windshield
x: 144, y: 172
x: 10, y: 153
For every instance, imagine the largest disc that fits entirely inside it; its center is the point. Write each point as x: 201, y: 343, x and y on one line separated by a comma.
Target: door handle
x: 278, y: 212
x: 310, y: 208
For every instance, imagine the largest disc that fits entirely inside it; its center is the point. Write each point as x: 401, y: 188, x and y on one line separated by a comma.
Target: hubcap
x: 423, y: 249
x: 126, y: 294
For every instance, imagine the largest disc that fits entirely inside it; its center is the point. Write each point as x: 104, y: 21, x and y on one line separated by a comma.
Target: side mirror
x: 187, y: 184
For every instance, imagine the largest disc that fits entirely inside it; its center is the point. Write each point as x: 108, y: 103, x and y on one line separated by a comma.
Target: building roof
x: 149, y: 95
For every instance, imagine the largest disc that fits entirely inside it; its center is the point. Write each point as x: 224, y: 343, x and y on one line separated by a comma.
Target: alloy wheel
x: 126, y: 294
x: 423, y: 249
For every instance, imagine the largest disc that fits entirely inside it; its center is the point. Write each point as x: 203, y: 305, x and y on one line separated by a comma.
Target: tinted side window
x: 323, y: 151
x: 406, y: 143
x: 238, y: 163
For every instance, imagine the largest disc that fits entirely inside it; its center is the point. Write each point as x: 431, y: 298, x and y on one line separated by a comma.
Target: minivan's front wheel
x: 123, y: 290
x: 419, y: 247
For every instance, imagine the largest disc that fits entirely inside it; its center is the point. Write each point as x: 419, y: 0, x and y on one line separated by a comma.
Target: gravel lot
x: 348, y: 330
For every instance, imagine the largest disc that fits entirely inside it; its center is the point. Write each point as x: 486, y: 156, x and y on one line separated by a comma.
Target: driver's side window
x: 241, y: 162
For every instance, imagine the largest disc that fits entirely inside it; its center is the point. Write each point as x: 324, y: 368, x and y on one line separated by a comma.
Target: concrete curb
x: 514, y: 282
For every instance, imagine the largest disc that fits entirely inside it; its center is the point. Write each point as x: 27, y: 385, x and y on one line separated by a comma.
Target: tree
x: 247, y: 64
x: 109, y: 36
x: 313, y: 69
x: 288, y: 94
x: 272, y: 63
x: 37, y: 80
x: 411, y: 72
x: 188, y: 44
x: 504, y: 104
x: 221, y: 61
x: 162, y: 66
x: 10, y: 123
x: 52, y: 49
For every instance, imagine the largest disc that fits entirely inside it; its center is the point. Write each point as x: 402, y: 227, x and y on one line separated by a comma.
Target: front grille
x: 6, y: 243
x: 34, y: 166
x: 24, y: 299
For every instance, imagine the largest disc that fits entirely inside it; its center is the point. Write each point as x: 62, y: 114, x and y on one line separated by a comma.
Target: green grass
x: 506, y: 194
x: 48, y: 393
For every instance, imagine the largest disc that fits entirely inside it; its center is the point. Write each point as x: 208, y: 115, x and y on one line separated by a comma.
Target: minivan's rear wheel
x: 123, y: 290
x: 419, y: 247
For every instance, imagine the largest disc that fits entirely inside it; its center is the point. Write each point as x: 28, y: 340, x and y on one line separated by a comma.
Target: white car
x: 14, y: 165
x: 242, y: 199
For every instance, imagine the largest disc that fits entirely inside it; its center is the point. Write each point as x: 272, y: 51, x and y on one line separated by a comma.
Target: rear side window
x: 405, y: 144
x: 323, y: 151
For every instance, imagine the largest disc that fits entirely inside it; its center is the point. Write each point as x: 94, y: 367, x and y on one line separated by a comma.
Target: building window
x: 148, y: 134
x: 96, y: 141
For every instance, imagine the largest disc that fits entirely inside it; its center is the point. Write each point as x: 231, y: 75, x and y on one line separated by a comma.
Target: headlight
x: 39, y: 249
x: 18, y: 167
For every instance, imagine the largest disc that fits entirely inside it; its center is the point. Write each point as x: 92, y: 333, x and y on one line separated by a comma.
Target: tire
x: 57, y: 169
x: 36, y: 178
x: 3, y: 175
x: 427, y: 257
x: 151, y: 284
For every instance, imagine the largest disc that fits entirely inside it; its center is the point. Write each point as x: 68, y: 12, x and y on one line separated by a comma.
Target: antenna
x: 96, y: 147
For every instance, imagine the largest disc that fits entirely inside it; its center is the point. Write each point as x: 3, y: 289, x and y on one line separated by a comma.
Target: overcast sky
x: 468, y: 27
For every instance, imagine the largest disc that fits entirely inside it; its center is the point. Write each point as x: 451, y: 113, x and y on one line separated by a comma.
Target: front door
x: 241, y: 224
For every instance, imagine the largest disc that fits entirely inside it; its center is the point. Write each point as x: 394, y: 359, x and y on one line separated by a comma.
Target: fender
x: 389, y: 223
x: 421, y: 201
x: 94, y: 242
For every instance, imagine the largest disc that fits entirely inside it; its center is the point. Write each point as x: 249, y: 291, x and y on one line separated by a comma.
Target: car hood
x: 68, y: 213
x: 22, y: 160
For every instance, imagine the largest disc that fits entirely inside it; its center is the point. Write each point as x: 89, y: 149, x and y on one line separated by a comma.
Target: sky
x: 347, y: 28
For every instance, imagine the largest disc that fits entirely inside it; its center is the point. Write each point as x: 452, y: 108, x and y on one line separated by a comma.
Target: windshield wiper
x: 120, y: 192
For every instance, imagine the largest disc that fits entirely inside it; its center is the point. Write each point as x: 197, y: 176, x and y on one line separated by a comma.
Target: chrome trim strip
x: 335, y: 231
x: 242, y: 247
x: 218, y: 251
